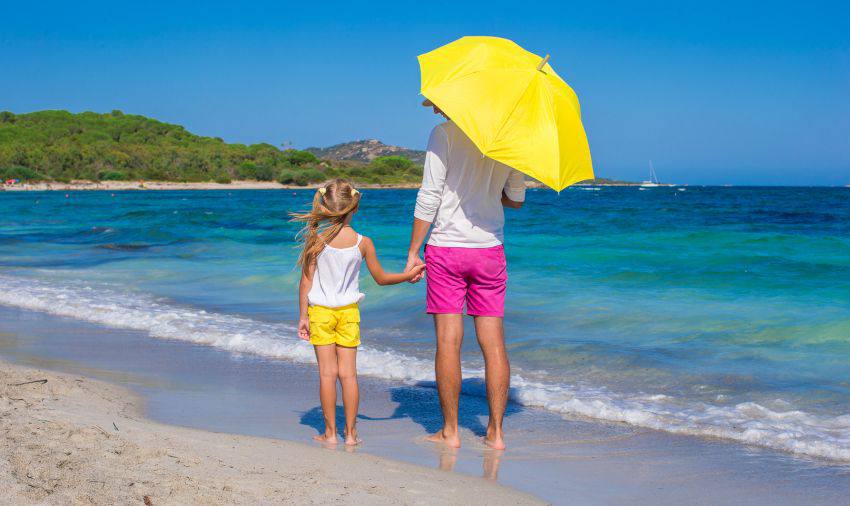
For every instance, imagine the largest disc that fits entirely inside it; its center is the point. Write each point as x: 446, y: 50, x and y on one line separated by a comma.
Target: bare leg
x: 347, y: 365
x: 497, y: 374
x: 326, y: 357
x: 449, y: 328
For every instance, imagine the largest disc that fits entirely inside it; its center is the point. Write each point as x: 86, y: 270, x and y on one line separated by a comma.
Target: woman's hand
x: 304, y: 329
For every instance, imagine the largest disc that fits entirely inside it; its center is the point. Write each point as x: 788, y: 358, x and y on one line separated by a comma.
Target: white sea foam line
x: 792, y: 431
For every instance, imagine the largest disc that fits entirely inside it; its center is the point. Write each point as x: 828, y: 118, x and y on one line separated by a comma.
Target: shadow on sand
x: 421, y: 404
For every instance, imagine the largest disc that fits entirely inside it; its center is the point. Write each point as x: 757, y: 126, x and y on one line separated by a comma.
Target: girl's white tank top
x: 336, y: 282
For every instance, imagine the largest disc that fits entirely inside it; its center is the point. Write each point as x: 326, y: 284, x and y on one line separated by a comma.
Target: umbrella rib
x: 557, y: 137
x: 557, y: 141
x: 508, y: 116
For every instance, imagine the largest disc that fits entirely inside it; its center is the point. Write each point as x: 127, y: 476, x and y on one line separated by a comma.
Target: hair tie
x: 323, y: 190
x: 354, y: 191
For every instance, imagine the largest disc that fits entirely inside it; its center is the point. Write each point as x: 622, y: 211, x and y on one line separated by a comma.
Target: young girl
x: 329, y: 294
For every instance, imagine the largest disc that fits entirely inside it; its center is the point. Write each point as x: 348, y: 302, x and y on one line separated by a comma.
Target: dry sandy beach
x: 72, y: 440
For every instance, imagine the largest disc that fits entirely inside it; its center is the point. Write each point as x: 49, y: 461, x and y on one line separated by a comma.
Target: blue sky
x: 714, y: 92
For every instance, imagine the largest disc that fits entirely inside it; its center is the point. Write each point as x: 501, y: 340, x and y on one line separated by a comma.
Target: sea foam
x: 793, y: 431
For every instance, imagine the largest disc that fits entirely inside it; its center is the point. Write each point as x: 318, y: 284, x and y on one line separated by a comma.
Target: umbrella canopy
x: 512, y: 105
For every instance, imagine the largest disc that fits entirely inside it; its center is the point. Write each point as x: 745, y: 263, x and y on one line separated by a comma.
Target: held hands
x: 304, y: 329
x: 416, y: 267
x: 415, y: 273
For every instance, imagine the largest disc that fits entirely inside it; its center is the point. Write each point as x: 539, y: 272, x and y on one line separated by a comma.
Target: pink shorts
x: 477, y: 276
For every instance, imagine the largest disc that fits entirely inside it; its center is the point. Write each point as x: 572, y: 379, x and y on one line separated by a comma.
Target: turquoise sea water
x: 710, y: 311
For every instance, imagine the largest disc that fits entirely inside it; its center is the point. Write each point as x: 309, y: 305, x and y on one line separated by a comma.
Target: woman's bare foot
x: 452, y: 440
x: 494, y: 440
x: 351, y: 438
x: 327, y: 438
x: 496, y: 444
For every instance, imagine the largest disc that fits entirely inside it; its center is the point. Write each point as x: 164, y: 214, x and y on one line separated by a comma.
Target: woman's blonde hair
x: 333, y: 203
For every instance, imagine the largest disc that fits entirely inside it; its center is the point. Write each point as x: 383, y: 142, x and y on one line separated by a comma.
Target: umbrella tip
x: 542, y: 62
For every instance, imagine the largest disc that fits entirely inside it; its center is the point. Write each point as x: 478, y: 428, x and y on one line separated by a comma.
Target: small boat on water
x: 653, y: 178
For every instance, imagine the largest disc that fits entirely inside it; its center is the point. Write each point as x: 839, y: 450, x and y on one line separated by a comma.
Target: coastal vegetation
x: 63, y: 146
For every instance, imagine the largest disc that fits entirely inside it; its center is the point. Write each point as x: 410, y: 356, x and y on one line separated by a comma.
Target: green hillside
x: 61, y: 146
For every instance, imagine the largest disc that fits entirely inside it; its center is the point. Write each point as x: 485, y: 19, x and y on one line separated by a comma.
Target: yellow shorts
x: 334, y: 325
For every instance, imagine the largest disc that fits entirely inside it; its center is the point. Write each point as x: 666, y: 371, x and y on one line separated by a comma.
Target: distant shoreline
x: 235, y: 185
x: 258, y: 185
x: 173, y: 185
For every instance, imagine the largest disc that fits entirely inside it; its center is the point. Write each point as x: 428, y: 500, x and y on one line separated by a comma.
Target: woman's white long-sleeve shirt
x: 461, y: 191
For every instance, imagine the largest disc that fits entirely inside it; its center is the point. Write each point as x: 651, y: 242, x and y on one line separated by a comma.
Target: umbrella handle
x: 542, y: 62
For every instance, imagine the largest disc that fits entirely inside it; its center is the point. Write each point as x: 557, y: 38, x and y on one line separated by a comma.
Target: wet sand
x: 70, y: 439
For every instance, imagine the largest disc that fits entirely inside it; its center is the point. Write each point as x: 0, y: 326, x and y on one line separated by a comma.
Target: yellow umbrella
x: 512, y: 105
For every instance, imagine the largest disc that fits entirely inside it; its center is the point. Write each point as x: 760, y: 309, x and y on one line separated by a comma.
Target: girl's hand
x: 415, y: 273
x: 304, y: 329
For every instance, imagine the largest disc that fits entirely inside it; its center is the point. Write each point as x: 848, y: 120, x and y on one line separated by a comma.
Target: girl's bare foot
x: 351, y: 438
x: 452, y: 441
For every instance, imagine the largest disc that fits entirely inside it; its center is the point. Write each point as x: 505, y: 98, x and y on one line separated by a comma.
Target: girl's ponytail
x: 333, y: 203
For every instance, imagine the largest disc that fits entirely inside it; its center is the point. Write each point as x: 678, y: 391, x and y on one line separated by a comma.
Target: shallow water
x: 560, y: 459
x: 709, y: 311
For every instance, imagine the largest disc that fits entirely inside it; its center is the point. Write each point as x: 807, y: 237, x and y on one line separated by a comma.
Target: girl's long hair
x: 332, y: 205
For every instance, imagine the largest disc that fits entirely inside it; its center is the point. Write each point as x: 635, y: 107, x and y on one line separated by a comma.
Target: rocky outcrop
x: 366, y: 151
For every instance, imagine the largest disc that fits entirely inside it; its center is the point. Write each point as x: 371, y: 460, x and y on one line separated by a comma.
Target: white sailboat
x: 653, y: 178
